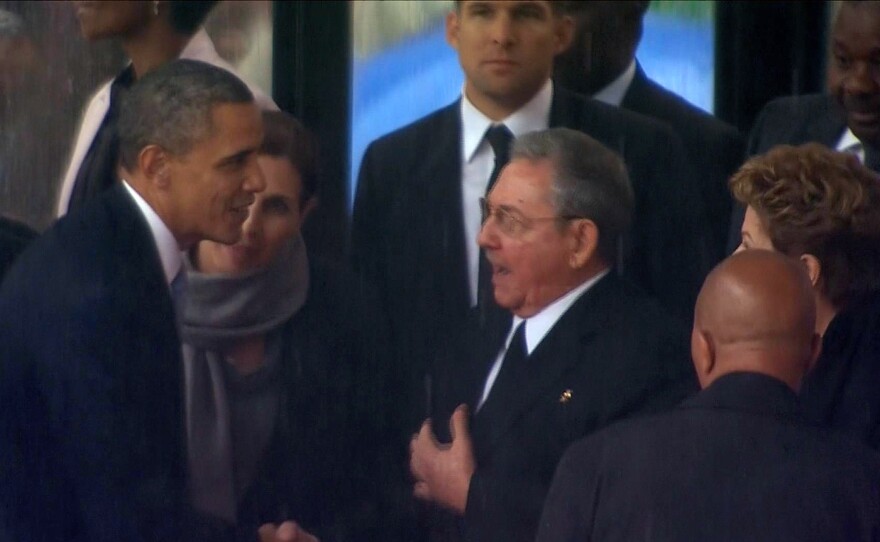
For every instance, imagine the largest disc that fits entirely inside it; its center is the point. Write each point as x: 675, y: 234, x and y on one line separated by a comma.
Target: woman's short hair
x: 286, y: 137
x: 813, y: 200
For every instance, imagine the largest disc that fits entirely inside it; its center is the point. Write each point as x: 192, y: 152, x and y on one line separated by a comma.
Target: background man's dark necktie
x: 500, y: 138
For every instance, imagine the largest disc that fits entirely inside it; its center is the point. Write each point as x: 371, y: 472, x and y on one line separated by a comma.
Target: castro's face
x: 113, y: 18
x: 213, y: 184
x: 854, y: 69
x: 530, y: 252
x: 506, y: 48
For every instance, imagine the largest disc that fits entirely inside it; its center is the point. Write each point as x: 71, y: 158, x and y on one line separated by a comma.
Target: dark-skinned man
x: 601, y: 62
x: 739, y: 461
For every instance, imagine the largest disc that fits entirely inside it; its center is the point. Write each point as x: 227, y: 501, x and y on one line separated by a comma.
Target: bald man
x: 738, y: 461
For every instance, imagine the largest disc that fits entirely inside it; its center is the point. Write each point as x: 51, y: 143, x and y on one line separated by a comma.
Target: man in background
x: 601, y: 63
x: 416, y: 214
x: 847, y: 117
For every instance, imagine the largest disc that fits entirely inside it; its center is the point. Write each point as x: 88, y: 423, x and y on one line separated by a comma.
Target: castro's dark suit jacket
x: 408, y: 231
x: 91, y: 426
x: 737, y: 462
x: 792, y: 120
x: 616, y: 353
x: 715, y: 148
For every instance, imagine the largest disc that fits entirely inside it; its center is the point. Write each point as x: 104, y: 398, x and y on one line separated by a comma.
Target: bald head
x: 756, y: 312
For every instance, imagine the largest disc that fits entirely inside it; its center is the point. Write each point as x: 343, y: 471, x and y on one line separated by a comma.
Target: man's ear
x: 564, y: 30
x: 813, y: 267
x: 584, y: 241
x: 310, y: 205
x: 452, y: 27
x: 154, y: 163
x: 703, y: 355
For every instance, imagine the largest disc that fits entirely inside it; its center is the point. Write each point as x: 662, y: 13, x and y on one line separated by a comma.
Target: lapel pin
x: 565, y: 397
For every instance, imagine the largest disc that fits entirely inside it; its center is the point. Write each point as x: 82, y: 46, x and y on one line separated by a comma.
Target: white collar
x: 614, y: 92
x: 540, y: 324
x: 169, y: 251
x: 534, y: 115
x: 848, y: 142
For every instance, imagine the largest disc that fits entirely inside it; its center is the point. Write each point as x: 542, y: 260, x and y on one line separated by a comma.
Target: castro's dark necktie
x: 500, y: 138
x: 506, y: 385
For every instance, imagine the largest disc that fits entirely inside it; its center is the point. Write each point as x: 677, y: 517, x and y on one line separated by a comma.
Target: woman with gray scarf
x: 283, y: 375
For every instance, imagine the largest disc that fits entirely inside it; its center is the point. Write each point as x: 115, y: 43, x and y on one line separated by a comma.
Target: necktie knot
x: 500, y: 138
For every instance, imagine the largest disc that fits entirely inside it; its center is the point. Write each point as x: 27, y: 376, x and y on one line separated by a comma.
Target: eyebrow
x: 237, y: 157
x: 508, y: 209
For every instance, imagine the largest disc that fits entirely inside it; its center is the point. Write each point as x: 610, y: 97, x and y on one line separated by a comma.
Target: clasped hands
x: 443, y: 472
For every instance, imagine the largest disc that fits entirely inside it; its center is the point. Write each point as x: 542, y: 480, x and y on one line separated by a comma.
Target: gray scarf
x: 221, y: 309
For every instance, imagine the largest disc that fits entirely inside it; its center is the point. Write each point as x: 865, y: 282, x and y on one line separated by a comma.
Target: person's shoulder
x: 423, y: 131
x: 675, y: 109
x: 640, y: 432
x: 799, y: 102
x: 629, y: 301
x: 796, y: 107
x: 587, y: 110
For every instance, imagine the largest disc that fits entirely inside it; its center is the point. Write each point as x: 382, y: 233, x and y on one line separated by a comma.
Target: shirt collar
x: 848, y: 142
x: 169, y: 251
x: 540, y: 324
x: 534, y: 115
x: 614, y: 92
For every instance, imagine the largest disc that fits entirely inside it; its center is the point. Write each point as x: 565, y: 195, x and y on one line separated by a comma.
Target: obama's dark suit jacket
x: 91, y: 420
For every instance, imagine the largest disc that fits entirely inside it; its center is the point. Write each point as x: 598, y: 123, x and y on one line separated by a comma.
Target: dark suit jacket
x: 91, y: 424
x: 737, y: 462
x: 14, y: 238
x: 408, y: 233
x: 715, y: 148
x: 616, y: 352
x: 842, y: 389
x: 792, y: 120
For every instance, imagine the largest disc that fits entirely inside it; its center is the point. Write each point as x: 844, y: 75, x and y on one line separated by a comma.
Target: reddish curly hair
x: 813, y: 200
